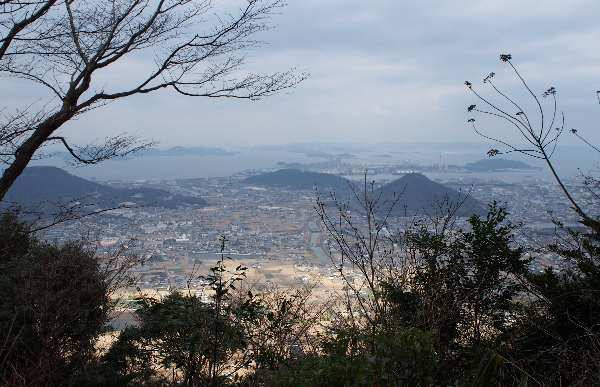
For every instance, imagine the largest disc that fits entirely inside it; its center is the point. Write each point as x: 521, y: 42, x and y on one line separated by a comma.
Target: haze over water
x: 164, y: 167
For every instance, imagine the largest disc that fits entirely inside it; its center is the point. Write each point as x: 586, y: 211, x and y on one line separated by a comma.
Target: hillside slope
x: 45, y: 187
x: 296, y: 179
x: 488, y: 165
x: 420, y: 195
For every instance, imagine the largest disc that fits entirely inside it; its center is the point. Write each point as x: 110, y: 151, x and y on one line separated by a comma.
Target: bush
x: 402, y: 358
x: 54, y: 306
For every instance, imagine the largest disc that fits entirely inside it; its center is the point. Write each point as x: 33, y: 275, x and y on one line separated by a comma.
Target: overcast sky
x: 381, y: 71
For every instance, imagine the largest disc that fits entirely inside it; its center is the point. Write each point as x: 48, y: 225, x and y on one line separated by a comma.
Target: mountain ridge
x: 48, y: 187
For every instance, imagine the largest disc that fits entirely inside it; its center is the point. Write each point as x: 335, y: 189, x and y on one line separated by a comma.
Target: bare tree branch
x: 118, y: 146
x: 65, y: 44
x: 543, y: 138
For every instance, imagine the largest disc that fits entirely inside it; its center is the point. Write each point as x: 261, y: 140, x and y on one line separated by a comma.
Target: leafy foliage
x: 560, y: 339
x: 402, y: 358
x: 198, y: 342
x: 463, y: 291
x: 54, y: 305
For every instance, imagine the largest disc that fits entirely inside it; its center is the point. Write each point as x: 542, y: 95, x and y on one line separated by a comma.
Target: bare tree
x: 541, y: 128
x: 287, y: 329
x: 361, y: 251
x: 62, y: 46
x: 17, y: 16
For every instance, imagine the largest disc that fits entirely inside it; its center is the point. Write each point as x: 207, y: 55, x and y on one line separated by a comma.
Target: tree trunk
x: 25, y: 152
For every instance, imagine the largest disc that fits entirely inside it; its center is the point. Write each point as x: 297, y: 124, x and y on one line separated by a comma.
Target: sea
x: 570, y: 161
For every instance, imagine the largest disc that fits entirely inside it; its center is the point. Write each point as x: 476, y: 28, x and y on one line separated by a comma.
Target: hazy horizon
x: 159, y: 164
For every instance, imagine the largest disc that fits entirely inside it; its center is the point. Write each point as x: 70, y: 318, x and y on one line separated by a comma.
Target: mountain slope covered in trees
x: 296, y: 179
x: 418, y: 195
x: 488, y: 165
x: 46, y: 187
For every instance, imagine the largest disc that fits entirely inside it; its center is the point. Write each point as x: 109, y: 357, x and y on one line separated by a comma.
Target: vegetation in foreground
x: 445, y: 307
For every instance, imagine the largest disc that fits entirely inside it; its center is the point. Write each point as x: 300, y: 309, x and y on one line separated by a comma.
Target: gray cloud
x: 381, y: 71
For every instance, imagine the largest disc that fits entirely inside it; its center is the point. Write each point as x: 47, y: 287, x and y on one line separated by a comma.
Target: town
x: 276, y: 232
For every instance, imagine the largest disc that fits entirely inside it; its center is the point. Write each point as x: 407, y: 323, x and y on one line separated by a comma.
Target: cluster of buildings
x: 277, y: 232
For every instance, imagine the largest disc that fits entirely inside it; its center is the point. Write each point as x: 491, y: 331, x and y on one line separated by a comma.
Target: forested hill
x: 45, y: 187
x: 296, y: 179
x: 418, y: 195
x: 498, y: 165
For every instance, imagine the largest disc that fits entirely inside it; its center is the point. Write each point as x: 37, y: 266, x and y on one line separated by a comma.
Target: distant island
x: 46, y: 188
x: 490, y: 165
x: 316, y: 150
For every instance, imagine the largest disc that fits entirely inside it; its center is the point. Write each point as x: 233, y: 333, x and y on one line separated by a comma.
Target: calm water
x: 170, y: 167
x: 182, y: 167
